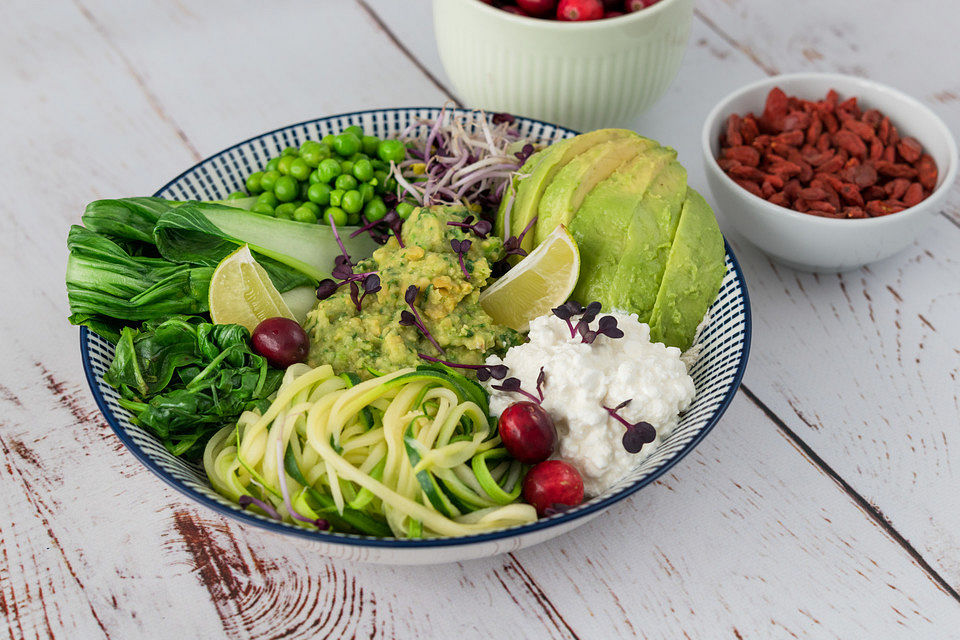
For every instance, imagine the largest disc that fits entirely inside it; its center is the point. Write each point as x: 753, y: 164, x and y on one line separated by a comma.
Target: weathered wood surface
x: 759, y: 533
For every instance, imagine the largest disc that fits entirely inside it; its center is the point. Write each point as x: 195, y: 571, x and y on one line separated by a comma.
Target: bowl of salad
x: 413, y: 335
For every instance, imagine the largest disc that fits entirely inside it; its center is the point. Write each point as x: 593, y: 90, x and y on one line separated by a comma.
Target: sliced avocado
x: 565, y: 193
x: 510, y: 193
x: 614, y: 221
x: 649, y: 237
x: 693, y: 275
x: 530, y: 189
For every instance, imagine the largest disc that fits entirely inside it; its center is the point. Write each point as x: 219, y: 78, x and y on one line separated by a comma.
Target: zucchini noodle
x: 408, y: 454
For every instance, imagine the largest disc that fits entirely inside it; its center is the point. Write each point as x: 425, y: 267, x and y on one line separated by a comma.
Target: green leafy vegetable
x: 105, y: 282
x: 148, y: 258
x: 184, y: 378
x: 205, y: 233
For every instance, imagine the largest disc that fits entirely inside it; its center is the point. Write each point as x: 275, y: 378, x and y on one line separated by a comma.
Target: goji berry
x: 733, y: 136
x: 743, y: 154
x: 913, y: 195
x: 910, y: 150
x: 927, y: 172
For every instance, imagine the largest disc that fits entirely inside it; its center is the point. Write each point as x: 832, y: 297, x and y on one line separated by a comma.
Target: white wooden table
x: 824, y: 505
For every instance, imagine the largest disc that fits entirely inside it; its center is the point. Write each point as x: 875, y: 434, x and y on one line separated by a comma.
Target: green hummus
x: 448, y: 303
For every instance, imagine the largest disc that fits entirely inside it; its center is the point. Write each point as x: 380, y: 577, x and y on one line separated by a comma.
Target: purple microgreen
x: 608, y: 327
x: 413, y: 319
x: 355, y: 294
x: 512, y: 244
x: 245, y: 501
x: 395, y: 222
x: 326, y: 288
x: 336, y: 234
x: 541, y: 380
x: 586, y: 317
x: 590, y: 313
x: 502, y: 116
x: 512, y: 385
x: 637, y: 433
x: 484, y: 371
x: 524, y: 153
x: 371, y: 284
x: 461, y: 247
x: 586, y: 335
x: 481, y: 228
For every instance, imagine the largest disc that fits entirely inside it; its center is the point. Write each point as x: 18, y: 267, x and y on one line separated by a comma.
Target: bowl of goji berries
x: 826, y: 172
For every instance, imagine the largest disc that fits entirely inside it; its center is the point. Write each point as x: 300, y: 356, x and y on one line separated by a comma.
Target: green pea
x: 314, y: 155
x: 269, y: 179
x: 305, y: 214
x: 336, y: 214
x: 346, y: 182
x: 404, y: 209
x: 369, y: 145
x: 328, y: 140
x: 290, y: 151
x: 267, y: 197
x: 380, y: 165
x: 355, y: 130
x: 363, y: 170
x: 392, y: 151
x: 313, y: 206
x: 347, y: 166
x: 307, y: 144
x: 262, y: 207
x: 353, y: 219
x: 390, y: 185
x: 366, y: 190
x: 286, y: 188
x: 381, y: 178
x: 299, y: 169
x: 285, y: 210
x: 346, y: 144
x: 272, y: 165
x: 237, y: 195
x: 352, y: 201
x: 303, y: 188
x: 319, y: 193
x: 253, y: 182
x: 336, y: 196
x: 328, y: 170
x: 314, y: 177
x: 284, y: 165
x: 375, y: 210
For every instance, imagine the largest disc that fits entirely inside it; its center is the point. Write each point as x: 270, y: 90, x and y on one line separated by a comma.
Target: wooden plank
x: 139, y: 551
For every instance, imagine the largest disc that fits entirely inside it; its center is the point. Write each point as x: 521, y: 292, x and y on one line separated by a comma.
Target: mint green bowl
x: 583, y: 75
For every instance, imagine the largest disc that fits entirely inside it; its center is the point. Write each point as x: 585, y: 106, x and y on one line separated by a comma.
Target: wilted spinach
x: 184, y: 378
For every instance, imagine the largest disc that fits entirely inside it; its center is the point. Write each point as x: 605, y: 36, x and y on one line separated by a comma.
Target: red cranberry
x: 527, y: 432
x: 576, y: 10
x: 538, y: 7
x: 281, y: 341
x: 553, y: 484
x: 637, y: 5
x: 612, y: 14
x: 517, y: 11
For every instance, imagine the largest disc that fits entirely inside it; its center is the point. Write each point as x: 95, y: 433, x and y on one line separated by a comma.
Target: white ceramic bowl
x: 725, y: 346
x: 812, y: 243
x: 583, y: 75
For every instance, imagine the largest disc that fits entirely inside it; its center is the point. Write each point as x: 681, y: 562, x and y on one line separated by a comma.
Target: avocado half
x: 648, y: 244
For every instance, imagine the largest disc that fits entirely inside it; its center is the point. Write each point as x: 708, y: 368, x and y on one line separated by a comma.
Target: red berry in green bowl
x: 577, y: 10
x: 538, y: 8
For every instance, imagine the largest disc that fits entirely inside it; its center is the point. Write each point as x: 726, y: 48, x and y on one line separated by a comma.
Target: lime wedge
x: 542, y: 280
x: 242, y: 293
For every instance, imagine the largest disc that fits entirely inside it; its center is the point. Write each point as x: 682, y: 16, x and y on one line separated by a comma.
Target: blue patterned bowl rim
x: 253, y: 519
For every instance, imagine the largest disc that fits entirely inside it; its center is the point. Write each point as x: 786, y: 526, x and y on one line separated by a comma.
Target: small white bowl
x: 583, y: 75
x: 813, y: 243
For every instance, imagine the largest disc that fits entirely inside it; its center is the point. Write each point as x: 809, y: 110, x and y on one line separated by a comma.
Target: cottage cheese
x: 583, y: 378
